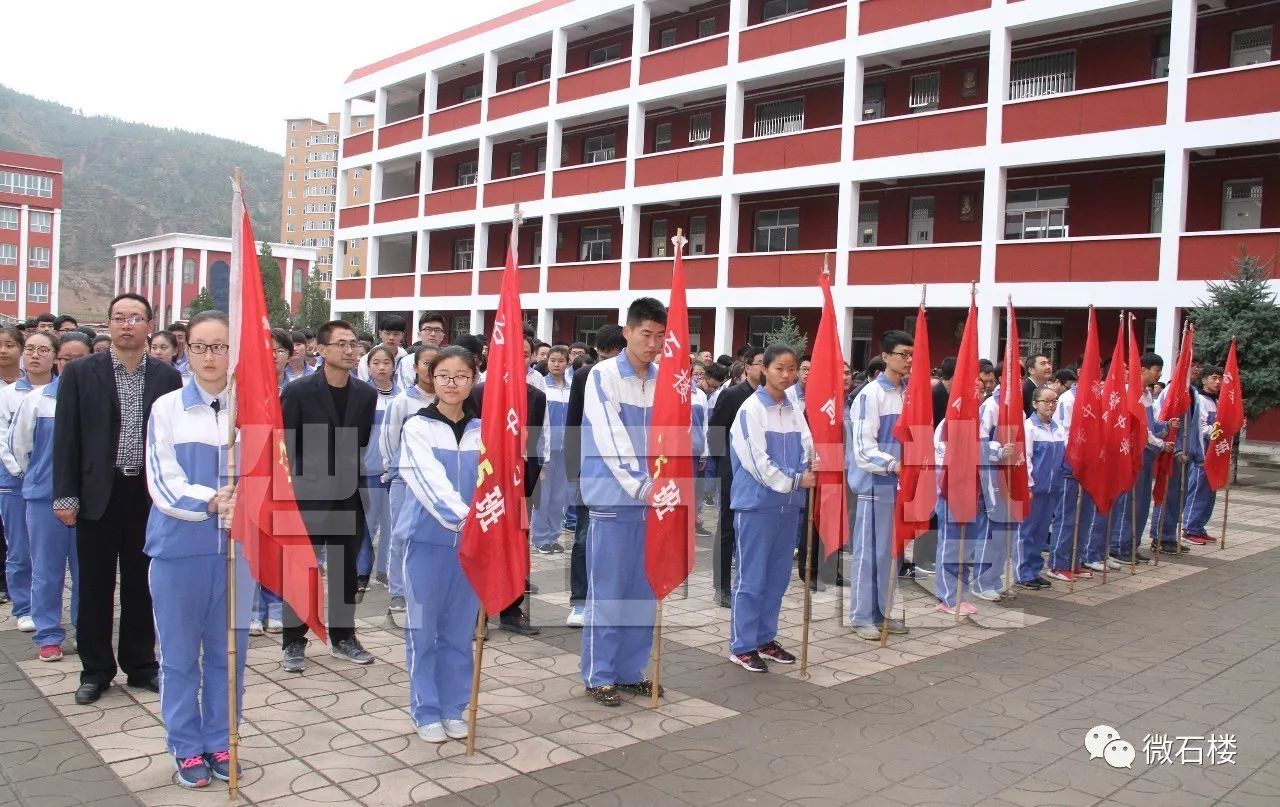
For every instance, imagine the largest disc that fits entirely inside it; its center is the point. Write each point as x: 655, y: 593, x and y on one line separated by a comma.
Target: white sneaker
x: 1095, y: 565
x: 26, y: 624
x: 455, y: 729
x: 989, y: 596
x: 1112, y: 563
x: 433, y: 733
x: 275, y: 626
x: 255, y: 627
x: 577, y: 616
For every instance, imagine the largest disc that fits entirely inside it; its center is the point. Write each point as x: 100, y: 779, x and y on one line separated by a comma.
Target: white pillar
x: 993, y: 192
x: 1173, y: 218
x: 179, y: 283
x: 544, y: 325
x: 161, y: 310
x: 288, y: 283
x: 1168, y: 334
x: 724, y: 328
x: 24, y: 227
x: 629, y: 218
x: 204, y: 270
x: 55, y: 258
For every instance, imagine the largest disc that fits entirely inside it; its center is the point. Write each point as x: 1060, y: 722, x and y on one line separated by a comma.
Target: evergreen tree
x: 788, y: 334
x: 273, y: 288
x: 1245, y: 307
x: 359, y: 322
x: 201, y: 302
x: 314, y: 310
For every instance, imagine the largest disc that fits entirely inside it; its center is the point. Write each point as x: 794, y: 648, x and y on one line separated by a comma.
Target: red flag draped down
x: 669, y: 549
x: 824, y: 397
x: 1084, y: 442
x: 493, y: 552
x: 1113, y: 477
x: 917, y: 485
x: 960, y: 429
x: 1135, y: 411
x: 1217, y: 455
x: 1011, y: 424
x: 1176, y: 402
x: 266, y: 521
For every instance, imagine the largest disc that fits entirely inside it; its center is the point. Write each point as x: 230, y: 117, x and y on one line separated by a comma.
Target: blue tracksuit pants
x: 552, y: 497
x: 1164, y: 525
x: 1200, y: 501
x: 1093, y: 532
x: 1090, y: 540
x: 398, y: 540
x: 266, y: 606
x: 618, y: 634
x: 871, y: 566
x: 17, y: 564
x: 1033, y: 533
x: 53, y: 550
x: 377, y: 523
x: 190, y: 600
x: 442, y: 608
x: 958, y: 550
x: 994, y: 549
x: 763, y: 557
x: 1139, y: 500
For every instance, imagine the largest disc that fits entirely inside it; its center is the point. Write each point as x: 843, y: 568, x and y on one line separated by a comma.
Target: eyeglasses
x: 1050, y: 403
x: 342, y: 345
x: 451, y: 380
x: 282, y: 352
x: 37, y: 350
x: 199, y: 348
x: 902, y: 355
x: 432, y: 329
x: 130, y: 320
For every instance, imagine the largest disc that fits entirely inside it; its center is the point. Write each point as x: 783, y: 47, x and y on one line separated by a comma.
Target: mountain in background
x: 129, y: 180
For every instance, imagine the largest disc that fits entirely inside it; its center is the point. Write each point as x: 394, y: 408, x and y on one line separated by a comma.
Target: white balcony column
x: 488, y: 81
x: 559, y: 56
x: 555, y: 141
x: 724, y: 331
x: 372, y: 268
x: 149, y: 291
x: 543, y: 331
x: 484, y: 168
x: 24, y: 228
x: 993, y: 194
x: 480, y: 248
x: 733, y: 97
x: 846, y: 231
x: 640, y: 38
x: 161, y: 309
x: 635, y: 141
x: 431, y: 92
x: 1173, y: 214
x: 204, y: 270
x: 288, y: 282
x: 423, y: 261
x: 55, y: 259
x: 737, y: 19
x: 379, y: 108
x: 344, y: 123
x: 1173, y: 211
x: 629, y: 216
x: 854, y: 78
x: 1168, y: 334
x: 179, y: 282
x: 338, y: 268
x: 728, y: 245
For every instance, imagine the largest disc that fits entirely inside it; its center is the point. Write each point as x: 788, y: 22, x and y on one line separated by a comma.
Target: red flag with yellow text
x: 1217, y: 455
x: 1011, y: 424
x: 1176, y: 401
x: 917, y: 484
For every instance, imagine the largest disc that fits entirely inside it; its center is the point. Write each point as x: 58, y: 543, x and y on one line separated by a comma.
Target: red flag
x: 266, y: 521
x: 1176, y: 402
x: 1011, y: 424
x: 1217, y: 456
x: 917, y: 485
x: 1083, y: 441
x: 493, y: 552
x: 668, y: 544
x: 1113, y: 467
x: 1135, y: 412
x: 824, y: 395
x: 960, y: 428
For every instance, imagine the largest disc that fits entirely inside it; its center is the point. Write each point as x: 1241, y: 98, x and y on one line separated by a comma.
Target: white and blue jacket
x: 615, y: 473
x: 11, y: 398
x: 30, y: 441
x: 1046, y: 454
x: 374, y: 465
x: 795, y: 393
x: 1190, y: 439
x: 402, y: 407
x: 699, y: 410
x: 872, y: 450
x: 770, y: 446
x: 441, y: 472
x: 557, y: 412
x: 186, y: 464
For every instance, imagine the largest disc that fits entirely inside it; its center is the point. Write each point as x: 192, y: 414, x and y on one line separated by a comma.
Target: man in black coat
x: 328, y: 419
x: 104, y: 402
x: 727, y: 406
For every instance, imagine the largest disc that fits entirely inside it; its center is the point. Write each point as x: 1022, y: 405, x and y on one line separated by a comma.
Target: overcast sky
x: 229, y: 68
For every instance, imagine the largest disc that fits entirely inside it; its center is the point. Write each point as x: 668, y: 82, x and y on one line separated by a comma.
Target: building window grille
x: 706, y: 27
x: 1251, y: 46
x: 1044, y: 74
x: 924, y: 92
x: 8, y: 290
x: 464, y: 251
x: 467, y: 172
x: 700, y: 128
x: 598, y: 149
x: 8, y: 218
x: 596, y: 244
x: 697, y: 235
x: 38, y: 257
x: 608, y: 53
x: 37, y: 292
x: 658, y: 236
x: 662, y: 137
x: 667, y: 38
x: 1037, y: 213
x: 779, y: 117
x: 778, y: 230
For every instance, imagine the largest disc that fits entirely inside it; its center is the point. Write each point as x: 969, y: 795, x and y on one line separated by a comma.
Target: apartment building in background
x: 309, y: 197
x: 30, y: 232
x: 1098, y: 152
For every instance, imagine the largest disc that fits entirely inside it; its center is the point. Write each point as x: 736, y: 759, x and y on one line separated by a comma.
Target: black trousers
x: 723, y: 571
x: 117, y: 537
x: 578, y: 559
x: 337, y: 530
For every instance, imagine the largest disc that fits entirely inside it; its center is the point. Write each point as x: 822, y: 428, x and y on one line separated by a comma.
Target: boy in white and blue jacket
x: 375, y: 495
x: 1133, y: 507
x: 995, y: 545
x: 1200, y: 496
x: 1046, y: 477
x: 554, y: 491
x: 1188, y: 446
x: 402, y: 407
x: 13, y: 509
x: 959, y: 543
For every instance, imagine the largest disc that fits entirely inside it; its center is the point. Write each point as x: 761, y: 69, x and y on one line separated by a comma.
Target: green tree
x: 201, y: 302
x: 314, y: 310
x: 273, y: 288
x: 1244, y: 307
x: 359, y: 322
x: 788, y: 334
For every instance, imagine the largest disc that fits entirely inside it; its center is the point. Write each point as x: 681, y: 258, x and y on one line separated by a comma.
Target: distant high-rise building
x: 309, y: 198
x: 30, y: 226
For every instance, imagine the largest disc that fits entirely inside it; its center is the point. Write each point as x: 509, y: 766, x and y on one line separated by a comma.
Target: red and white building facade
x: 1099, y: 152
x: 171, y: 269
x: 30, y: 230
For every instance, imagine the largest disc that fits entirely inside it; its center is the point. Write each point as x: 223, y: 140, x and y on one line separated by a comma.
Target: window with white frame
x: 662, y: 137
x: 596, y: 243
x: 700, y: 128
x: 357, y: 174
x: 464, y: 253
x: 1042, y: 74
x: 779, y: 117
x: 297, y: 279
x: 470, y: 92
x: 860, y: 355
x: 586, y: 326
x: 546, y: 71
x: 598, y: 148
x: 293, y: 126
x: 189, y: 270
x: 8, y: 290
x: 356, y: 193
x: 293, y: 160
x: 293, y: 143
x: 658, y: 239
x: 520, y: 79
x: 868, y: 224
x: 467, y: 172
x: 1251, y: 46
x: 354, y: 261
x: 25, y: 184
x: 535, y: 247
x: 8, y: 254
x: 1242, y: 204
x: 361, y: 123
x: 1037, y: 213
x: 608, y: 53
x: 667, y: 37
x: 38, y: 257
x: 697, y: 235
x: 924, y: 92
x: 778, y: 230
x: 773, y: 9
x: 288, y: 227
x: 542, y: 159
x: 1160, y: 56
x: 37, y: 292
x: 513, y: 164
x: 293, y: 176
x: 1157, y: 205
x: 8, y: 218
x: 706, y: 27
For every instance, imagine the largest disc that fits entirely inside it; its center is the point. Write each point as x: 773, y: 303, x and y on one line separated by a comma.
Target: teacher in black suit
x: 328, y: 417
x: 104, y: 401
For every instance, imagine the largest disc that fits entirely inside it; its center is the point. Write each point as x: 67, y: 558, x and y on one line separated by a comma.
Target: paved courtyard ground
x: 992, y: 711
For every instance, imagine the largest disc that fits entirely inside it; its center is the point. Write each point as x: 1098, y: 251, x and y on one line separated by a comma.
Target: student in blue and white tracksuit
x: 440, y: 456
x: 1201, y: 497
x: 1046, y: 476
x: 373, y: 484
x: 402, y: 407
x: 994, y: 546
x: 959, y: 543
x: 186, y: 476
x: 554, y: 492
x: 770, y: 447
x: 617, y: 488
x: 1188, y: 445
x: 1064, y: 541
x: 267, y: 605
x: 873, y: 458
x: 1134, y: 505
x: 13, y: 508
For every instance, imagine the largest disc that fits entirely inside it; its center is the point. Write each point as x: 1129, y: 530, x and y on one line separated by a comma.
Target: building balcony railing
x: 1251, y: 90
x: 794, y: 32
x: 400, y: 285
x: 450, y: 200
x: 399, y: 209
x: 965, y: 127
x: 589, y: 276
x: 450, y: 283
x: 881, y: 15
x: 357, y: 144
x: 348, y: 288
x: 685, y: 59
x: 491, y: 280
x: 457, y: 116
x: 774, y: 152
x: 589, y: 178
x: 1212, y: 255
x: 774, y: 269
x: 357, y: 216
x: 596, y: 80
x: 510, y: 190
x: 697, y: 162
x: 921, y: 263
x: 1102, y: 109
x: 655, y: 273
x: 1091, y: 258
x: 520, y: 99
x: 405, y: 131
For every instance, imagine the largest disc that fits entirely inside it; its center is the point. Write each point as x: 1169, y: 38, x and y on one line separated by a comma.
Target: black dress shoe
x: 151, y: 682
x: 518, y: 624
x: 89, y: 692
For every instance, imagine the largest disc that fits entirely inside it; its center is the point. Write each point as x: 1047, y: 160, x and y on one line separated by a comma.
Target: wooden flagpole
x: 1226, y: 504
x: 1075, y: 540
x: 1133, y: 527
x: 657, y: 657
x: 1182, y: 505
x: 474, y: 708
x: 808, y: 577
x: 960, y: 569
x: 1106, y: 545
x: 233, y: 693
